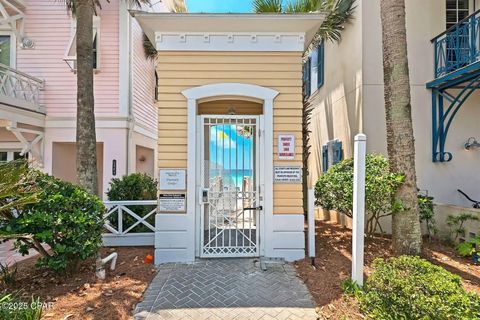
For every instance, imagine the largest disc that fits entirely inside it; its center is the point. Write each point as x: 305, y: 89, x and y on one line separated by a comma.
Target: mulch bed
x: 80, y: 295
x: 333, y: 265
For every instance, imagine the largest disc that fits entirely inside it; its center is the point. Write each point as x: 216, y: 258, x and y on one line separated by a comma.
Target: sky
x: 229, y: 149
x: 219, y: 5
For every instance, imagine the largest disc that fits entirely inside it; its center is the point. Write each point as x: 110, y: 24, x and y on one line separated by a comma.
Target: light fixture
x: 472, y: 144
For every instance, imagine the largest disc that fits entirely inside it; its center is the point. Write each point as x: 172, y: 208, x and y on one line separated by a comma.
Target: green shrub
x: 334, y: 189
x: 136, y: 186
x: 469, y: 247
x: 427, y: 213
x: 456, y: 224
x: 412, y: 288
x: 67, y: 218
x: 12, y: 308
x: 8, y: 273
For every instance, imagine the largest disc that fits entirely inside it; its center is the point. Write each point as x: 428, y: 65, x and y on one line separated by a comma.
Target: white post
x: 360, y: 151
x: 311, y: 223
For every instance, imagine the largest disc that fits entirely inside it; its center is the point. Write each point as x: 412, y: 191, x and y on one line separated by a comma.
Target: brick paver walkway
x: 10, y: 256
x: 226, y: 289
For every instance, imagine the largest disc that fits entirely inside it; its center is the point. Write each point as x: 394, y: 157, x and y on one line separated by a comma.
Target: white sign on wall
x: 286, y: 147
x: 290, y: 174
x: 172, y: 202
x: 173, y: 179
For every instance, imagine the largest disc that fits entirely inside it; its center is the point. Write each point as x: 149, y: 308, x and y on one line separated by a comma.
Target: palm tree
x: 400, y: 141
x: 86, y: 141
x: 338, y: 14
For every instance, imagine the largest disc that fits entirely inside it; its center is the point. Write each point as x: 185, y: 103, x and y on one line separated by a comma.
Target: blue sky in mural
x: 230, y: 150
x: 219, y: 5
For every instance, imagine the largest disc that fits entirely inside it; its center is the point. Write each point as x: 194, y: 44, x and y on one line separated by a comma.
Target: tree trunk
x: 86, y: 138
x: 400, y: 141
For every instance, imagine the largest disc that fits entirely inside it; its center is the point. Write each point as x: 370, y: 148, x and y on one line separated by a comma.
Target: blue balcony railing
x: 457, y: 47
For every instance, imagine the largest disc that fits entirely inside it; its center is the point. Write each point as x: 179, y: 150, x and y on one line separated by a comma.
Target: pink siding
x: 144, y: 109
x: 49, y: 25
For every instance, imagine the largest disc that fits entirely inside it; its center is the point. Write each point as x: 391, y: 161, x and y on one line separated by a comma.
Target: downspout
x: 130, y: 119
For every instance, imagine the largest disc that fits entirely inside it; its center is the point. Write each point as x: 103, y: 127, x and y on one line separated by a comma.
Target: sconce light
x: 472, y: 144
x: 142, y: 159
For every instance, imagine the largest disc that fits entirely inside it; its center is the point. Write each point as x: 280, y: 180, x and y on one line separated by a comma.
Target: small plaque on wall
x: 287, y: 174
x: 173, y: 179
x: 168, y: 202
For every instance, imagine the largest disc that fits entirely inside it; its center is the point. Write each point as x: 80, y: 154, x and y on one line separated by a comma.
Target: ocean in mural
x: 231, y: 153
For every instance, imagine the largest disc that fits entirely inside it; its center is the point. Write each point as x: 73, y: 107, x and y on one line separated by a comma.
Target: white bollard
x: 360, y: 150
x: 311, y: 223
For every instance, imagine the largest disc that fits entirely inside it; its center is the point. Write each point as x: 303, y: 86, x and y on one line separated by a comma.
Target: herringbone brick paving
x: 221, y: 289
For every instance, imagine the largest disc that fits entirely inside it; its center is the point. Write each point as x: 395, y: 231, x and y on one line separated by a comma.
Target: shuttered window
x: 320, y: 64
x: 332, y: 153
x: 307, y: 76
x: 71, y: 54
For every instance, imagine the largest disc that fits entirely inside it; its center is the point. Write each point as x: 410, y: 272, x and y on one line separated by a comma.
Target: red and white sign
x: 286, y: 147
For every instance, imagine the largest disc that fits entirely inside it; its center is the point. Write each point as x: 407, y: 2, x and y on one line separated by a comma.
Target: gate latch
x: 254, y: 208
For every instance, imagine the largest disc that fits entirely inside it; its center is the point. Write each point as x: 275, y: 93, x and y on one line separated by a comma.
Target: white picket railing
x: 120, y: 236
x: 20, y: 89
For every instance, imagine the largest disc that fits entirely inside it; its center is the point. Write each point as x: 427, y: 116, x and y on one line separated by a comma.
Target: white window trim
x: 13, y: 47
x: 70, y: 59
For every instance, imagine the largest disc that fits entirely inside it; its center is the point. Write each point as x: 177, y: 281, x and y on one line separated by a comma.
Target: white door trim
x: 267, y: 95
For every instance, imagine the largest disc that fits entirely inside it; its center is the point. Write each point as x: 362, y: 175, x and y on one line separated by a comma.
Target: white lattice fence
x: 119, y: 234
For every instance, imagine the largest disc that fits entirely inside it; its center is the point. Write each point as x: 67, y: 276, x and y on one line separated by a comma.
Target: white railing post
x: 360, y: 150
x: 311, y: 223
x: 120, y: 220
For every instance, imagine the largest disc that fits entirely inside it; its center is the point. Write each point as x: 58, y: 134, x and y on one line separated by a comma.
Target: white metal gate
x: 230, y: 179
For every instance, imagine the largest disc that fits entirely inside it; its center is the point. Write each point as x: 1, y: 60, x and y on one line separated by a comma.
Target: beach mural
x: 231, y: 153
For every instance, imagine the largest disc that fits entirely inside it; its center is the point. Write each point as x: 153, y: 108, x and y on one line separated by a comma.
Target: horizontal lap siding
x: 49, y: 25
x: 144, y: 109
x: 280, y: 71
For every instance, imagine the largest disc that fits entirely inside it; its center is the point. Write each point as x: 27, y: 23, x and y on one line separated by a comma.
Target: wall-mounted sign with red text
x: 286, y: 147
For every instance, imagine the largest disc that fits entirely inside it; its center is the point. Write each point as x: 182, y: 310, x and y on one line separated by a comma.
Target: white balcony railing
x: 130, y: 223
x: 20, y: 89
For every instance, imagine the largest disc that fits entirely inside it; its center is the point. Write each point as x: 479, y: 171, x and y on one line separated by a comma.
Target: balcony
x: 456, y: 78
x: 20, y: 90
x: 458, y: 47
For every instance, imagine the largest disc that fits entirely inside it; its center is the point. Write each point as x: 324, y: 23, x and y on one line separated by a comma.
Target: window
x: 320, y: 64
x: 7, y: 48
x: 307, y: 76
x: 457, y: 10
x: 332, y: 153
x: 9, y: 155
x: 155, y: 98
x: 71, y: 54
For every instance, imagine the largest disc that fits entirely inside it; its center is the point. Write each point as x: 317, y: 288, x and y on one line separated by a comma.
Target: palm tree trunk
x: 86, y: 138
x: 400, y: 141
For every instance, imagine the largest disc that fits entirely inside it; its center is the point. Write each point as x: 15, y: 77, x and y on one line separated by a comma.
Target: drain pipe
x: 100, y: 264
x: 311, y: 225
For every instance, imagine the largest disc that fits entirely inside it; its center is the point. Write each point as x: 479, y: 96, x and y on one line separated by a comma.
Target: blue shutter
x: 307, y: 77
x: 324, y: 158
x: 338, y: 152
x: 320, y: 64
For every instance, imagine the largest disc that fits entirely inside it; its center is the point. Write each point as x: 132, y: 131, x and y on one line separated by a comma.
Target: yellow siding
x: 281, y: 71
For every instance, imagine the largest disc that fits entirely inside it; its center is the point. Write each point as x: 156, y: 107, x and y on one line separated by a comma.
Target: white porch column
x: 360, y: 150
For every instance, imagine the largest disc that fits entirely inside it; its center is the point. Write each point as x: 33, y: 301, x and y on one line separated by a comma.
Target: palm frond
x: 71, y: 5
x: 339, y: 13
x: 298, y: 6
x: 149, y: 48
x: 260, y: 6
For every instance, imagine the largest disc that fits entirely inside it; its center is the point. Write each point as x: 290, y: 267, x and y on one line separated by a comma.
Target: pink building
x: 38, y: 89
